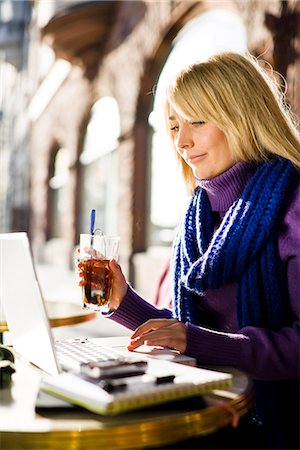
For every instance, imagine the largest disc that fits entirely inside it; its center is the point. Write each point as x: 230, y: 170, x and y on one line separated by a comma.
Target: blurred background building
x: 81, y: 119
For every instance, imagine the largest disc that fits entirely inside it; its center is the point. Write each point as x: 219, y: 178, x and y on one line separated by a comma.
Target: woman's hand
x: 119, y: 285
x: 162, y: 332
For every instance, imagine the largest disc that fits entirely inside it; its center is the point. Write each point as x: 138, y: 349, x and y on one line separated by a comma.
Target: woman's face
x: 202, y: 145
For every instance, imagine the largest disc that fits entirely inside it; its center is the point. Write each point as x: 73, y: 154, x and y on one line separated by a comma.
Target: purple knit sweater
x: 263, y: 353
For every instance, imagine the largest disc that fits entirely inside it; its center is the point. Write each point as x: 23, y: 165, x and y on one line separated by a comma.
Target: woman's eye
x: 198, y: 122
x: 174, y: 128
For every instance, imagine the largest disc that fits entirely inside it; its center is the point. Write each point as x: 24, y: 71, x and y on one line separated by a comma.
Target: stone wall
x: 131, y: 59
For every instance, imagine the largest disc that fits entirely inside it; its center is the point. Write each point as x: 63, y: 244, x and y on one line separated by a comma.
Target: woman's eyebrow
x: 172, y: 118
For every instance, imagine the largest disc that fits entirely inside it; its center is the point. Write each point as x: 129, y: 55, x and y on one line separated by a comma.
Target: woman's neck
x: 224, y: 189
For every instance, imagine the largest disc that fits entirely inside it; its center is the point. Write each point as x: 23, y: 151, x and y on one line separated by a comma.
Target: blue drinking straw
x: 92, y: 229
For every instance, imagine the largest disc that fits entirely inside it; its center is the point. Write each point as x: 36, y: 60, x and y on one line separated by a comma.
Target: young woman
x: 236, y: 258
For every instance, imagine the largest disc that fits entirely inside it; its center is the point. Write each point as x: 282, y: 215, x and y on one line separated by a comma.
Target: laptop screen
x: 23, y: 304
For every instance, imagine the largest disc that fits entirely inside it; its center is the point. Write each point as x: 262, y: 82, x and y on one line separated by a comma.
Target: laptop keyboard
x: 71, y: 353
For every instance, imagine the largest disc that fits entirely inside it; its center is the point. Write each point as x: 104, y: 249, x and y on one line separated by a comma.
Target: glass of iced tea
x: 95, y: 253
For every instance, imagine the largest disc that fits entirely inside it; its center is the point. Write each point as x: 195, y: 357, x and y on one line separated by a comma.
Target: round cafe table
x: 22, y: 426
x: 61, y: 314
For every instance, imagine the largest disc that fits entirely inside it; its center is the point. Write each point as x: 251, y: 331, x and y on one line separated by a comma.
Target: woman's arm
x: 134, y: 310
x: 260, y: 352
x: 263, y: 353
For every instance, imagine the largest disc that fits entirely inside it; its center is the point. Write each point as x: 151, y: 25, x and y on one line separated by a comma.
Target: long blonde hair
x: 237, y: 95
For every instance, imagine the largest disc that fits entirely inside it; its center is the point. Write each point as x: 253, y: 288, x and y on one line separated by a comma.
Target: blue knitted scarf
x: 244, y: 249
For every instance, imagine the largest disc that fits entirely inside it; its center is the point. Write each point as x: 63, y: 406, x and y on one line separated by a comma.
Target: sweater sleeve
x: 263, y: 353
x: 134, y: 311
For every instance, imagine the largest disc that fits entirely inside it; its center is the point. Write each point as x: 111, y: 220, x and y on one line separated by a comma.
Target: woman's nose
x: 184, y: 139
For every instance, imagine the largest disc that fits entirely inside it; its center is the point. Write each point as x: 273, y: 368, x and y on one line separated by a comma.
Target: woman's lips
x: 196, y: 158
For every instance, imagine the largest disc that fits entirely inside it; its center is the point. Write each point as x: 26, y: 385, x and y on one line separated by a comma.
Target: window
x: 214, y: 31
x: 100, y: 167
x: 59, y: 193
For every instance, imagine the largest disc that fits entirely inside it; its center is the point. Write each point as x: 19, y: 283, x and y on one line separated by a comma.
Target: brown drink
x: 95, y: 253
x: 97, y: 279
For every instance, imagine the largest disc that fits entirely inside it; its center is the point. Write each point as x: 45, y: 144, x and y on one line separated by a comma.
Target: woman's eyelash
x: 198, y: 122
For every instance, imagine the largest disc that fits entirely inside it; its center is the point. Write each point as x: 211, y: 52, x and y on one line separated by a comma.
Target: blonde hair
x: 239, y: 97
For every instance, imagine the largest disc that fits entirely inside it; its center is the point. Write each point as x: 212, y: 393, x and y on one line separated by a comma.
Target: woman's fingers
x: 79, y: 271
x: 80, y: 276
x: 87, y: 250
x: 162, y: 332
x: 151, y: 338
x: 152, y: 324
x: 96, y: 254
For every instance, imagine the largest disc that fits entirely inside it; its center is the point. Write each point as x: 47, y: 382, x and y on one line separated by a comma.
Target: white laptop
x: 32, y: 338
